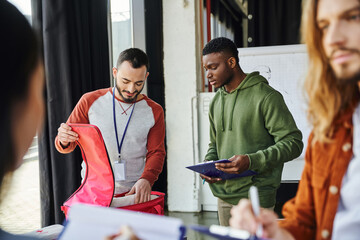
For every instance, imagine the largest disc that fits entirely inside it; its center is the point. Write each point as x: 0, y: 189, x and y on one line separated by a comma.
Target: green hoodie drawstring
x: 222, y: 102
x: 222, y: 110
x: 245, y: 84
x: 232, y: 110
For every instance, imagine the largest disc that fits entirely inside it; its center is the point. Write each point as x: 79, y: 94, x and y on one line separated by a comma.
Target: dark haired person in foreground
x: 327, y: 204
x: 21, y: 101
x: 250, y: 125
x: 138, y: 160
x: 22, y: 104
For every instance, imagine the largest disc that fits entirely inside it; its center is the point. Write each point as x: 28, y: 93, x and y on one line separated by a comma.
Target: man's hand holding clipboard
x: 238, y: 164
x: 211, y: 172
x: 209, y: 179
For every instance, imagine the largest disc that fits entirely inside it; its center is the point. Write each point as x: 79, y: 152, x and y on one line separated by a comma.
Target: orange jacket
x: 311, y: 213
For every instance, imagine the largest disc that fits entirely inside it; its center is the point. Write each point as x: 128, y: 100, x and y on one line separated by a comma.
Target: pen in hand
x: 203, y: 181
x: 254, y: 198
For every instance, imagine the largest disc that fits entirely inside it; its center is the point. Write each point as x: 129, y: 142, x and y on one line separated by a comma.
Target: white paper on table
x: 95, y: 222
x: 127, y: 200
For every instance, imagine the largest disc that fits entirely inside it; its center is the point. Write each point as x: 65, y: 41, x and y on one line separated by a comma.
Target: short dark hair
x: 135, y: 56
x: 221, y: 44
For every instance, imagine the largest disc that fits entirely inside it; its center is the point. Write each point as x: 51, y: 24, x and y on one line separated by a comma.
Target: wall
x: 182, y: 68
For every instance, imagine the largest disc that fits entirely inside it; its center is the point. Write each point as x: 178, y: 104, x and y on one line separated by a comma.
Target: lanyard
x: 127, y: 124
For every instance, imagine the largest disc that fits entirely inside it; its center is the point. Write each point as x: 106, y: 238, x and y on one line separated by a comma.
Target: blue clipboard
x: 208, y: 169
x: 225, y: 235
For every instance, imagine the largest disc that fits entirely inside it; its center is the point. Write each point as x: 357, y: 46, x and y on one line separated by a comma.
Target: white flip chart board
x: 285, y: 68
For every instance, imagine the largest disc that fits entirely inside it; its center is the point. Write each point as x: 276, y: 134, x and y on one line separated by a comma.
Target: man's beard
x: 128, y: 100
x: 342, y: 77
x: 353, y: 79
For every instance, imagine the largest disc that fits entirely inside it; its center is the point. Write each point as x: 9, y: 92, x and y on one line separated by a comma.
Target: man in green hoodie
x: 250, y: 125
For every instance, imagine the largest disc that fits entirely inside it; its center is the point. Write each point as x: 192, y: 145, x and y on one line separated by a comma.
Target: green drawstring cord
x: 232, y: 111
x: 222, y: 102
x: 222, y: 110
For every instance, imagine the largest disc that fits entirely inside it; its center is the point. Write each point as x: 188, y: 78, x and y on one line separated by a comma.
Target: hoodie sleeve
x: 287, y: 137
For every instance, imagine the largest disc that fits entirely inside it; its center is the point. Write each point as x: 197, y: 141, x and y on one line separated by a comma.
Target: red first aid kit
x: 98, y: 185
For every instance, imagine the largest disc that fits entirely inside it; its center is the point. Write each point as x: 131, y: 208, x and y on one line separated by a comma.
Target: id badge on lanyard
x: 120, y: 164
x: 119, y: 171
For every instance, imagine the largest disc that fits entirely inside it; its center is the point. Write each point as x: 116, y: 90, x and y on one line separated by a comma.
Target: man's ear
x: 232, y: 62
x: 114, y: 71
x: 147, y: 74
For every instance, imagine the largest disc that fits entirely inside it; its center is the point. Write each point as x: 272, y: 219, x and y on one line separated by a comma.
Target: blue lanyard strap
x: 127, y: 124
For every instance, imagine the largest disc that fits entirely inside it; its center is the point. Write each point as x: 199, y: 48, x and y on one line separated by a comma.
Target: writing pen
x: 203, y: 181
x: 254, y: 198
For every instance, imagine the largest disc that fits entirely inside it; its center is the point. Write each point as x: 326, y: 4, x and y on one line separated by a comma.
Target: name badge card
x: 119, y: 172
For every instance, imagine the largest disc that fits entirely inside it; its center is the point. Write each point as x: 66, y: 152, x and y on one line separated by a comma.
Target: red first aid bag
x: 98, y: 185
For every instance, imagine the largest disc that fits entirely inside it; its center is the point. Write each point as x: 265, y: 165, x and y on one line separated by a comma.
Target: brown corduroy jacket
x: 311, y: 213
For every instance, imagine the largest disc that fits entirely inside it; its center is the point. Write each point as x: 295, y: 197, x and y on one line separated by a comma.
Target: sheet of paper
x: 94, y: 222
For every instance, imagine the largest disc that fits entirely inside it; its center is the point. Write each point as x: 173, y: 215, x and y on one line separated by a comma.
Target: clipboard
x: 208, y: 169
x: 224, y: 233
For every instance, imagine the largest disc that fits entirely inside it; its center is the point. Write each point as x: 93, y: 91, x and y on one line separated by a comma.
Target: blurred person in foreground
x: 327, y: 204
x: 21, y: 100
